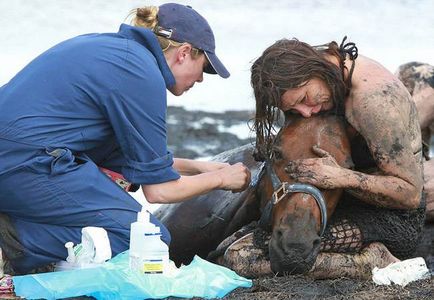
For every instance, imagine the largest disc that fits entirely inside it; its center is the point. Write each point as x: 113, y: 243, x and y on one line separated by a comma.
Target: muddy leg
x: 245, y: 258
x: 221, y: 248
x: 335, y: 265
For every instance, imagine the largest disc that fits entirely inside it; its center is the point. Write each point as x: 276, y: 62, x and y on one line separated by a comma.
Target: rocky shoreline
x: 199, y: 134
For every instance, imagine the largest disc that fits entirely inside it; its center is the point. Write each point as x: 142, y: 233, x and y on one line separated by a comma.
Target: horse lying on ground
x: 295, y: 220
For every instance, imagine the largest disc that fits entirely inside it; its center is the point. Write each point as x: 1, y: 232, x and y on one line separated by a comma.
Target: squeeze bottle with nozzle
x: 148, y: 253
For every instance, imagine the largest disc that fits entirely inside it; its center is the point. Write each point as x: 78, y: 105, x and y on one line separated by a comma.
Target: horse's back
x: 197, y: 226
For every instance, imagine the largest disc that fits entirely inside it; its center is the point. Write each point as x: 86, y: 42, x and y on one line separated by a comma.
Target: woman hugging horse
x: 382, y: 202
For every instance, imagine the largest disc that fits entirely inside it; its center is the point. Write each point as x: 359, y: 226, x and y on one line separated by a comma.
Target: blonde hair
x: 147, y: 17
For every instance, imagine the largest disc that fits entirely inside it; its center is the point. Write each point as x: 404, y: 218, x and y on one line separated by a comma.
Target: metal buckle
x: 283, y: 191
x: 167, y: 33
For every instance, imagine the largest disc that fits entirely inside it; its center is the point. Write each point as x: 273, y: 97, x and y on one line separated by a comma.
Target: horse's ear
x: 258, y: 155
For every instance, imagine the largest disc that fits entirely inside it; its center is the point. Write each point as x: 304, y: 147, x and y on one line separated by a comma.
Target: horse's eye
x: 277, y: 153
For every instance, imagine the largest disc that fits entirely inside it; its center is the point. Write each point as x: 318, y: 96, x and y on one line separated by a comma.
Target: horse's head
x: 296, y: 218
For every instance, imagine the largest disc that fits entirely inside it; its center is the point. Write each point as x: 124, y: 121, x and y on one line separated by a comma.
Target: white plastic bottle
x: 148, y: 253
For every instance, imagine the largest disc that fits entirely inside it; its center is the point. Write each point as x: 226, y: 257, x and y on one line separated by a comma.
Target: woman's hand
x: 323, y: 172
x: 235, y: 178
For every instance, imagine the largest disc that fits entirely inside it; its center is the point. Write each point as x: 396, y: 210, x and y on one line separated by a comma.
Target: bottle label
x: 152, y: 266
x: 152, y: 233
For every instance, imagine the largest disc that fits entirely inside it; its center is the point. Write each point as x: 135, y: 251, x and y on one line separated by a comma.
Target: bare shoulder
x: 382, y: 111
x: 379, y: 104
x: 371, y: 77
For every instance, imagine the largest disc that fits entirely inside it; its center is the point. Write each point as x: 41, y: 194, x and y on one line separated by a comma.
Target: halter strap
x: 281, y: 190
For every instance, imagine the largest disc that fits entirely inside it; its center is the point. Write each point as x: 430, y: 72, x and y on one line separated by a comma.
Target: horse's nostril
x: 316, y: 243
x: 279, y: 233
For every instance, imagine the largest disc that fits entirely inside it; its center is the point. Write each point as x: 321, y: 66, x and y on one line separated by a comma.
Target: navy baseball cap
x: 182, y: 23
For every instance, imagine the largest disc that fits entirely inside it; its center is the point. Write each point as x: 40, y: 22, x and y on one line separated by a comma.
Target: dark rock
x: 193, y: 134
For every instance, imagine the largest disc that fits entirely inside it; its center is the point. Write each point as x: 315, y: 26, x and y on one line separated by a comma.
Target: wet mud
x: 303, y: 287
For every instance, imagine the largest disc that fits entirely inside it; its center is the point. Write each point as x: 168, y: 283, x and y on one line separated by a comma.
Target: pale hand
x: 235, y: 178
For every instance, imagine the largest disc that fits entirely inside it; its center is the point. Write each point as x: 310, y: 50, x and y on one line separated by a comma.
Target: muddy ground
x: 299, y: 287
x: 303, y: 287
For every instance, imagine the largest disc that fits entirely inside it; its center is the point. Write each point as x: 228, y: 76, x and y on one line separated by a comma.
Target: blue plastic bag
x: 115, y: 280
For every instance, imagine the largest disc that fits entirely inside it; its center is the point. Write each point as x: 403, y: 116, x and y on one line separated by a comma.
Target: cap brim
x: 215, y: 66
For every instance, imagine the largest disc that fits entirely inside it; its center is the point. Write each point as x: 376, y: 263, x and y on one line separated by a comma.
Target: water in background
x: 393, y: 32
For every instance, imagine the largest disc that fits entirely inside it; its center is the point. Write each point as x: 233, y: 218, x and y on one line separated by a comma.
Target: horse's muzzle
x: 293, y: 253
x: 296, y: 258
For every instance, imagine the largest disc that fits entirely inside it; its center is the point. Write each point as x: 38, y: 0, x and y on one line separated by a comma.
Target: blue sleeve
x: 136, y: 109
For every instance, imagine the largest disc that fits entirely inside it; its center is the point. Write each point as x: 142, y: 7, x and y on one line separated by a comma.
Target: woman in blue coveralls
x: 99, y: 100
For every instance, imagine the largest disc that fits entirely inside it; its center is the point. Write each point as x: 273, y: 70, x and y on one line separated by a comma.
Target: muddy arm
x: 382, y: 117
x: 386, y: 118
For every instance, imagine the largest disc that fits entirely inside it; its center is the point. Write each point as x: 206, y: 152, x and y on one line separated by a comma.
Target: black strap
x: 275, y: 181
x: 265, y: 220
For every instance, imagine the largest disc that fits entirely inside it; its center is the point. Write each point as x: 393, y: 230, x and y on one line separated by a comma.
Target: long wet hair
x: 290, y: 64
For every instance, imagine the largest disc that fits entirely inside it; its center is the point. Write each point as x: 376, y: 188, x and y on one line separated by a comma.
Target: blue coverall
x: 94, y: 100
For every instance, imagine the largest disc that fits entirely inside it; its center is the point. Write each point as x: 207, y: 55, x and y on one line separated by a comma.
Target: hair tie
x: 348, y: 48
